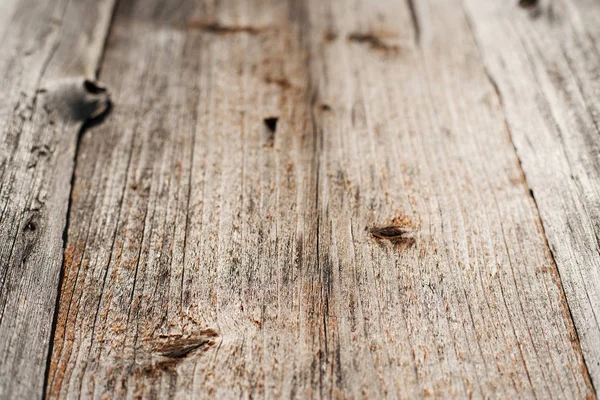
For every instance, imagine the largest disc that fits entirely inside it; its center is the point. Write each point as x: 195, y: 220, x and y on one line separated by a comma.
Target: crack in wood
x: 415, y: 20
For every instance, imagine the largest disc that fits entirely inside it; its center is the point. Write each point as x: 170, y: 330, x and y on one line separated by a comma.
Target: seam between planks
x: 90, y: 123
x: 531, y: 194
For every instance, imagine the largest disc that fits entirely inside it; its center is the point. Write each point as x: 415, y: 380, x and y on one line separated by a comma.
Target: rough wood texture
x: 192, y: 267
x: 310, y: 199
x: 471, y: 304
x: 48, y: 49
x: 547, y: 74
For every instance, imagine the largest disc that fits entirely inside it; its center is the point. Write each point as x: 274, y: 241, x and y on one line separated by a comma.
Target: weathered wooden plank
x: 377, y: 239
x: 544, y: 59
x: 192, y: 242
x: 48, y: 50
x: 462, y: 298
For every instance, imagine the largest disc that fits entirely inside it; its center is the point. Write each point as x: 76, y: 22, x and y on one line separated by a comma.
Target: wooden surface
x: 547, y: 74
x: 299, y: 199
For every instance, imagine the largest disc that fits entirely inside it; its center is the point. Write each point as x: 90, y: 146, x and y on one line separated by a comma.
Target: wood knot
x: 395, y: 234
x: 325, y: 107
x: 31, y: 226
x: 177, y: 347
x: 271, y: 123
x: 166, y: 352
x: 76, y: 99
x: 330, y: 36
x: 373, y: 41
x: 220, y: 29
x: 534, y: 9
x: 30, y: 232
x: 31, y: 223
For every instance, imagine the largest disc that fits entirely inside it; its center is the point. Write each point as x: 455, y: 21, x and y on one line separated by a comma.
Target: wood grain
x: 546, y: 71
x: 416, y: 140
x: 306, y: 199
x: 48, y: 50
x: 191, y: 253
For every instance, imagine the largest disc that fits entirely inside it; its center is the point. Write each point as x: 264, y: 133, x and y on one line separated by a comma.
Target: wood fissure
x: 415, y: 20
x: 88, y: 124
x: 93, y: 119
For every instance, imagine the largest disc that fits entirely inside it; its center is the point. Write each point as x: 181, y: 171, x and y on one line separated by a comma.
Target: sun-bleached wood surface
x: 299, y: 199
x: 48, y: 59
x: 546, y: 72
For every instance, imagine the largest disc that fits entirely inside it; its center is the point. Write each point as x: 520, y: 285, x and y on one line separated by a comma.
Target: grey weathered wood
x: 381, y: 241
x: 48, y: 50
x: 190, y: 262
x: 416, y: 139
x: 545, y: 61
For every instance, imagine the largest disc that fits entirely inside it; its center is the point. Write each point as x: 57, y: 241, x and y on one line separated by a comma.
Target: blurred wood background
x: 299, y: 199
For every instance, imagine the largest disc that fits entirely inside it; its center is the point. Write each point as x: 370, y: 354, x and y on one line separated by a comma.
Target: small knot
x: 76, y: 99
x: 402, y: 236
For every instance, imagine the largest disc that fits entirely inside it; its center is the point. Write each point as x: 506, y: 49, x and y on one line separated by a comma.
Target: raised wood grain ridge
x: 49, y: 52
x: 309, y: 199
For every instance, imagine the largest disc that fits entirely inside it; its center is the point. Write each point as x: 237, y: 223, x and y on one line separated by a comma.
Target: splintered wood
x: 299, y: 199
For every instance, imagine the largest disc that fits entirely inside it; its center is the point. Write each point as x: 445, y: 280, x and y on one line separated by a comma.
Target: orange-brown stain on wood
x: 65, y: 326
x: 330, y: 36
x: 178, y: 170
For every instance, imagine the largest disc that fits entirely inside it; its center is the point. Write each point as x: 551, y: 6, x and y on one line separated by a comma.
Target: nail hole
x: 271, y: 123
